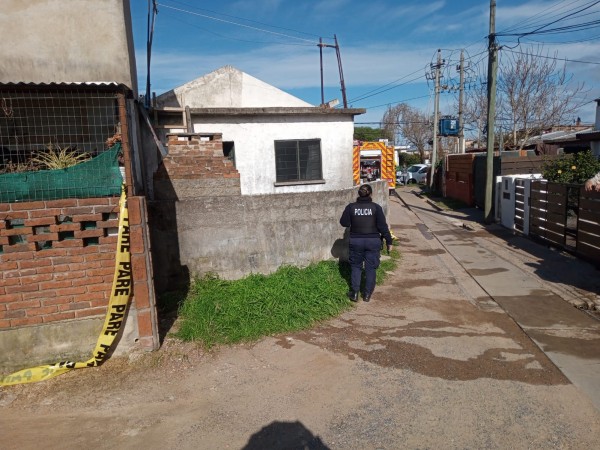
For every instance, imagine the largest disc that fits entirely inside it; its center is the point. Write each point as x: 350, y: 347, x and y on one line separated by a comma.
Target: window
x: 298, y: 160
x: 229, y: 151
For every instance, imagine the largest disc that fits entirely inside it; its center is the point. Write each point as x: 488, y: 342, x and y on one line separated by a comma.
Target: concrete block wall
x: 238, y: 235
x: 194, y: 167
x: 57, y: 263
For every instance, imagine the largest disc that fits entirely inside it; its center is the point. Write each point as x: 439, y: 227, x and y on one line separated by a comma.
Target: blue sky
x: 386, y: 46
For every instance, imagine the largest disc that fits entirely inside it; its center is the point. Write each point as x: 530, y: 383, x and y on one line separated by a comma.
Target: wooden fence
x: 523, y: 165
x: 459, y: 178
x: 567, y: 216
x: 465, y: 174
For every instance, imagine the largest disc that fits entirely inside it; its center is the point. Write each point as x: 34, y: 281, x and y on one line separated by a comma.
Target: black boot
x: 366, y: 297
x: 353, y: 296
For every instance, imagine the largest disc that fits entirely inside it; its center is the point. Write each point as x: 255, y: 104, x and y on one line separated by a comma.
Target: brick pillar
x: 195, y: 167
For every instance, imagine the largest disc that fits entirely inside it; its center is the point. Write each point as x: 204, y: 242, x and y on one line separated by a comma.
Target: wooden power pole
x: 491, y: 112
x: 436, y: 113
x: 461, y: 132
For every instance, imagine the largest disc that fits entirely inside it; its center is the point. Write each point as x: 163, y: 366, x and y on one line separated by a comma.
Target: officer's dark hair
x: 365, y: 191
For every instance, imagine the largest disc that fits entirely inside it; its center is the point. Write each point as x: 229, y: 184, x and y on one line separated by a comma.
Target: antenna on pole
x: 152, y: 12
x: 339, y: 58
x: 321, y: 58
x: 341, y: 71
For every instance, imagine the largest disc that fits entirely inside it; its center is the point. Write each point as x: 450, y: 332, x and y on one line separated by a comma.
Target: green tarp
x: 98, y: 177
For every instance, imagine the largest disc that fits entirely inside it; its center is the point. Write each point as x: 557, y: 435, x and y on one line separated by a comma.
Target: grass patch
x: 225, y: 312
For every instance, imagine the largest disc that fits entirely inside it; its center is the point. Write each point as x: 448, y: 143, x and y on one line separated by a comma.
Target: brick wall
x: 57, y: 262
x: 195, y: 167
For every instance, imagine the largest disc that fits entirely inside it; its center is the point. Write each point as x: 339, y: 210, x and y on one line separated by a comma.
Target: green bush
x: 571, y: 168
x: 408, y: 159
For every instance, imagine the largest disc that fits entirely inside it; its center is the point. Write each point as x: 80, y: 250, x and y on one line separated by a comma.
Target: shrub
x: 59, y: 158
x: 571, y: 168
x: 408, y: 159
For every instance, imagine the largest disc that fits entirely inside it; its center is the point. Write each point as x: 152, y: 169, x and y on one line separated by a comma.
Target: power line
x: 238, y: 24
x: 550, y: 57
x: 398, y: 101
x: 537, y: 19
x: 540, y: 28
x: 176, y: 17
x: 380, y: 90
x: 245, y: 19
x: 559, y: 30
x: 578, y: 41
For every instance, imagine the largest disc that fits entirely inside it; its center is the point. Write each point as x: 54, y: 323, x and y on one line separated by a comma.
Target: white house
x: 279, y: 143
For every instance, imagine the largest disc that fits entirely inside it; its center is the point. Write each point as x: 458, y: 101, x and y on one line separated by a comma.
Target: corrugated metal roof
x: 63, y: 84
x: 562, y: 136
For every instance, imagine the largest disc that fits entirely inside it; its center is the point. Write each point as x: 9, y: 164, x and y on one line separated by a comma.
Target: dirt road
x: 430, y: 362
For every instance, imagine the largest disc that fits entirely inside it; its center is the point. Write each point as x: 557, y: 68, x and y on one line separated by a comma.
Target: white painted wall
x: 255, y: 137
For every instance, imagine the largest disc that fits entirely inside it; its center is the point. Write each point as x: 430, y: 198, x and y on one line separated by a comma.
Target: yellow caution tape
x: 115, y: 314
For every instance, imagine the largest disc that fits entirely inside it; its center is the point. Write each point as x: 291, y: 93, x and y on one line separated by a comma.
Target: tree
x: 408, y: 159
x: 415, y: 127
x: 368, y: 134
x: 475, y: 111
x: 571, y: 168
x: 535, y: 94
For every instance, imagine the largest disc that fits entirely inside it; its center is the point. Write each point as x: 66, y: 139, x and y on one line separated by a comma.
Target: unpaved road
x: 430, y: 362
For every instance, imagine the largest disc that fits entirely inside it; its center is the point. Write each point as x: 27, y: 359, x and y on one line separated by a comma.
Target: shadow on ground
x: 285, y: 435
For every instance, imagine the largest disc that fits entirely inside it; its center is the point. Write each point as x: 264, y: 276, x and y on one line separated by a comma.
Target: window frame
x: 298, y: 180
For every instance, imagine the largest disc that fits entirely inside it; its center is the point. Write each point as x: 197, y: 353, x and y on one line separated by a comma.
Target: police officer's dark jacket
x: 366, y: 219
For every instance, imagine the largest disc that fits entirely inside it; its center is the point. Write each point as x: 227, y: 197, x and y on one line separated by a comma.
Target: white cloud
x: 381, y: 41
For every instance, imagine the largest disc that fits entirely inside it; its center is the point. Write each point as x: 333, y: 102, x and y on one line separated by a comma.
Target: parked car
x: 417, y: 173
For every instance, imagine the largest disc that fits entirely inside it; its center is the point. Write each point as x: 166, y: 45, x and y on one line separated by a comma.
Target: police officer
x: 367, y: 227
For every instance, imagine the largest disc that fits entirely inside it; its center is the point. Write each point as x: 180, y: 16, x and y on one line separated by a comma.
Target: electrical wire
x: 559, y: 30
x: 537, y: 19
x: 245, y: 19
x: 540, y: 29
x: 179, y: 19
x: 578, y: 41
x: 551, y: 57
x: 380, y: 91
x: 397, y: 101
x: 238, y: 24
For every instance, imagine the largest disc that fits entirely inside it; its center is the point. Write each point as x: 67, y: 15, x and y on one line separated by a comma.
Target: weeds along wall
x: 57, y: 262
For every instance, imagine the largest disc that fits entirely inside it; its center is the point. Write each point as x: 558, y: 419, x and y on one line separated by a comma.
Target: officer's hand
x: 389, y: 248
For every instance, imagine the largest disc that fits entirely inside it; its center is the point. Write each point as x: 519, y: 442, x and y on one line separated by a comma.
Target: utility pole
x: 491, y: 112
x: 436, y: 113
x: 461, y: 133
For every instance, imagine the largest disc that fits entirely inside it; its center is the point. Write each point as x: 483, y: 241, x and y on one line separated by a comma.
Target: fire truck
x: 374, y: 161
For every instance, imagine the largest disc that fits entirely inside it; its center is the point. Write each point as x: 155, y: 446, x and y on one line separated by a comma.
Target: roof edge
x: 310, y: 110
